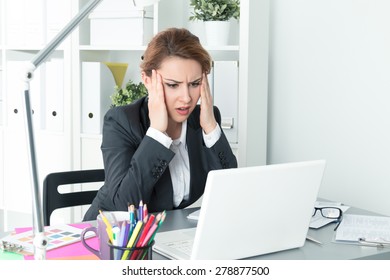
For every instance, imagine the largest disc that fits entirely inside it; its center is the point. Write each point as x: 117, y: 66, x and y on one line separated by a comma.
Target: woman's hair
x: 172, y: 42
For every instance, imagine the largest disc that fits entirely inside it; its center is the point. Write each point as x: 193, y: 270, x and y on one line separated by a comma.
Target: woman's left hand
x: 207, y: 118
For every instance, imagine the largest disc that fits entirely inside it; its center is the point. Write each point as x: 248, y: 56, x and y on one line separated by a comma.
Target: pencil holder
x: 132, y: 253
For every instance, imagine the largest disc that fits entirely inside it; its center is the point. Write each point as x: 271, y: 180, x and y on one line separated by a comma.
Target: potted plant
x: 127, y: 95
x: 216, y: 14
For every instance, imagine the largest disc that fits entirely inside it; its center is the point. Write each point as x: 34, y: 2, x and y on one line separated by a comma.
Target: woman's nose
x: 186, y: 95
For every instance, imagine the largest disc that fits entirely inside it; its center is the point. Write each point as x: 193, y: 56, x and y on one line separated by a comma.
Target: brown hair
x: 174, y: 42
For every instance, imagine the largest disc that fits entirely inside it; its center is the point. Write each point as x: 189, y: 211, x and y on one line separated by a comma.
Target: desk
x: 329, y: 250
x: 177, y: 219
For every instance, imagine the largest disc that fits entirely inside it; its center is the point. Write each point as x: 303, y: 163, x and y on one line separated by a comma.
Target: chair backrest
x: 53, y: 199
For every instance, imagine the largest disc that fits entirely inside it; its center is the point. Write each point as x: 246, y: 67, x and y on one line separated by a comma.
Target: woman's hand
x: 207, y: 119
x: 158, y: 114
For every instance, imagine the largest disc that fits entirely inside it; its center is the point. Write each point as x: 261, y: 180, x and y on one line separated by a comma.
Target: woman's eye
x: 172, y: 85
x: 195, y: 84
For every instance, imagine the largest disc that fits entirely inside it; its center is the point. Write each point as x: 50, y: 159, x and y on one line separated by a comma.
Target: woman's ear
x: 145, y: 79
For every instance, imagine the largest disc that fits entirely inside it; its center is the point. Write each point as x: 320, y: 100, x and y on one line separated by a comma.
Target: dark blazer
x: 136, y: 165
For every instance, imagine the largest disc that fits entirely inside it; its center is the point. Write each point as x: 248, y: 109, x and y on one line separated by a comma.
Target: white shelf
x: 81, y: 150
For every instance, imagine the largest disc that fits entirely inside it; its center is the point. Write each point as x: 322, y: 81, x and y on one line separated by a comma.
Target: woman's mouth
x: 183, y: 110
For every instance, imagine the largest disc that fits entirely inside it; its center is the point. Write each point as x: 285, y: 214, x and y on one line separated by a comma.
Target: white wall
x: 329, y: 94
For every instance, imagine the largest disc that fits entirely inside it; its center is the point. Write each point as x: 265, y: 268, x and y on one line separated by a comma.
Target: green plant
x: 127, y: 95
x: 215, y: 10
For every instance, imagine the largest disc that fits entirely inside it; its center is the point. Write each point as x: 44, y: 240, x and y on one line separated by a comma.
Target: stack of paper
x: 364, y: 230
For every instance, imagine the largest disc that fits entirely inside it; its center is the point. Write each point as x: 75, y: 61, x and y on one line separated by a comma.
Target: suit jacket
x: 136, y: 165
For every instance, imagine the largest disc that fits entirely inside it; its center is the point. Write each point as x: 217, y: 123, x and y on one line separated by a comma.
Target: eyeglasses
x: 330, y: 213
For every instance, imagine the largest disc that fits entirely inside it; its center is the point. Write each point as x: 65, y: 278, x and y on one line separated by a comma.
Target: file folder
x: 33, y: 30
x: 225, y: 88
x: 54, y: 95
x: 14, y: 95
x: 57, y: 16
x: 1, y: 96
x: 97, y: 86
x: 24, y: 21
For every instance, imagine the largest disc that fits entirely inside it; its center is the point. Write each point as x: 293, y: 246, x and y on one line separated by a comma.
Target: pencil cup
x: 103, y: 252
x: 133, y: 253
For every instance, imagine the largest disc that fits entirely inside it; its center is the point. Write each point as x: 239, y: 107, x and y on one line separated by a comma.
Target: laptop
x: 247, y: 212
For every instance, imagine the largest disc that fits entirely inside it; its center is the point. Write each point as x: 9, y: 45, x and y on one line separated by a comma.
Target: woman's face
x: 181, y: 80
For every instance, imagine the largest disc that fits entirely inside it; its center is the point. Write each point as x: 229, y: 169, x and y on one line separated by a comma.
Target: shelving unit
x: 52, y: 128
x: 2, y: 13
x: 70, y: 148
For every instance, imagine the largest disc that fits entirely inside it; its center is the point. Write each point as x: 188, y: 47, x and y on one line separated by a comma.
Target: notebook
x: 249, y: 211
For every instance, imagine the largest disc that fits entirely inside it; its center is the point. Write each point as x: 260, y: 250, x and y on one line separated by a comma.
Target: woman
x: 159, y: 149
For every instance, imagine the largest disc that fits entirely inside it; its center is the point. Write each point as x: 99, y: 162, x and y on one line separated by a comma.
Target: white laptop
x: 248, y: 212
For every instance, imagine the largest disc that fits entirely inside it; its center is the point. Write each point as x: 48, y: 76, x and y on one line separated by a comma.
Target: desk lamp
x: 40, y: 240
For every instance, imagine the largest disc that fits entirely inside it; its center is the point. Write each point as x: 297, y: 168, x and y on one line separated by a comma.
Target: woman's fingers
x: 157, y: 109
x: 207, y: 119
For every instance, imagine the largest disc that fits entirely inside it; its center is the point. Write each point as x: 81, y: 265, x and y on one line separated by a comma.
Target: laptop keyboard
x: 184, y: 246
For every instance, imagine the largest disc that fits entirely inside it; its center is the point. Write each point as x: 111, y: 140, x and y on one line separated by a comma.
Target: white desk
x: 310, y: 251
x: 329, y: 250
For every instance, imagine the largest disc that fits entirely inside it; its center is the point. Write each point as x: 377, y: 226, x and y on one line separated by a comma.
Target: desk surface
x: 329, y: 250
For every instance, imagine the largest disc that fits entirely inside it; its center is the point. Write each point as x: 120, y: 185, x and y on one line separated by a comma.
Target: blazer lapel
x: 194, y: 156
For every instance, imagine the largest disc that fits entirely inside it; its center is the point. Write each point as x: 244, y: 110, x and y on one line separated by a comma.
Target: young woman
x: 160, y: 148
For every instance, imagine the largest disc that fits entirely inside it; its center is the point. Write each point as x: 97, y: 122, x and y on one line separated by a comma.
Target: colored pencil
x: 143, y: 235
x: 108, y: 225
x: 152, y: 232
x: 141, y: 211
x: 133, y: 237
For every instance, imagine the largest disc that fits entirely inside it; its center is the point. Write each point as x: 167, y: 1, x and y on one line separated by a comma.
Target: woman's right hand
x: 158, y: 114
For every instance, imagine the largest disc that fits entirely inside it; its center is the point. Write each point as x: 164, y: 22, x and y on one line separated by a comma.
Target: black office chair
x: 53, y: 199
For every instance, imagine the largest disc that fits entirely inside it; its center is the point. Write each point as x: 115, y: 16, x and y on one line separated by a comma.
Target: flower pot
x: 217, y: 33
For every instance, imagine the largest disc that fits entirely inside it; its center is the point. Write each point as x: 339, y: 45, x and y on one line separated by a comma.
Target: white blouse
x: 179, y: 166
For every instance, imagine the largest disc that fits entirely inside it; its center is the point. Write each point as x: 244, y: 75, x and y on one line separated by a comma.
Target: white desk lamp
x: 40, y: 240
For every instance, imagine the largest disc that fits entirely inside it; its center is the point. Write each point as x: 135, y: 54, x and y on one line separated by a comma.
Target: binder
x: 57, y: 16
x: 33, y: 31
x: 24, y: 21
x: 14, y: 95
x: 54, y: 95
x: 1, y: 98
x: 225, y: 88
x: 97, y: 85
x: 14, y: 22
x: 15, y: 176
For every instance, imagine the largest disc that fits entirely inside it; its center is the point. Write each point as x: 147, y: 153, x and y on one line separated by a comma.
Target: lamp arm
x: 40, y: 240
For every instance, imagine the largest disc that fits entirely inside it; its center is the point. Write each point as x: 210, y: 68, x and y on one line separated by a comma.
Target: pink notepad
x: 74, y: 251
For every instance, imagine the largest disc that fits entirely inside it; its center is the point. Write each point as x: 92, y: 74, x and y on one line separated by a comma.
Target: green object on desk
x: 10, y: 256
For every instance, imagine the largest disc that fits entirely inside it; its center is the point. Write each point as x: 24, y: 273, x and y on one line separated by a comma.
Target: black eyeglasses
x: 330, y: 213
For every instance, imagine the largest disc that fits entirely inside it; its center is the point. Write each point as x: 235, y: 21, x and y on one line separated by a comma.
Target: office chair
x: 53, y: 200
